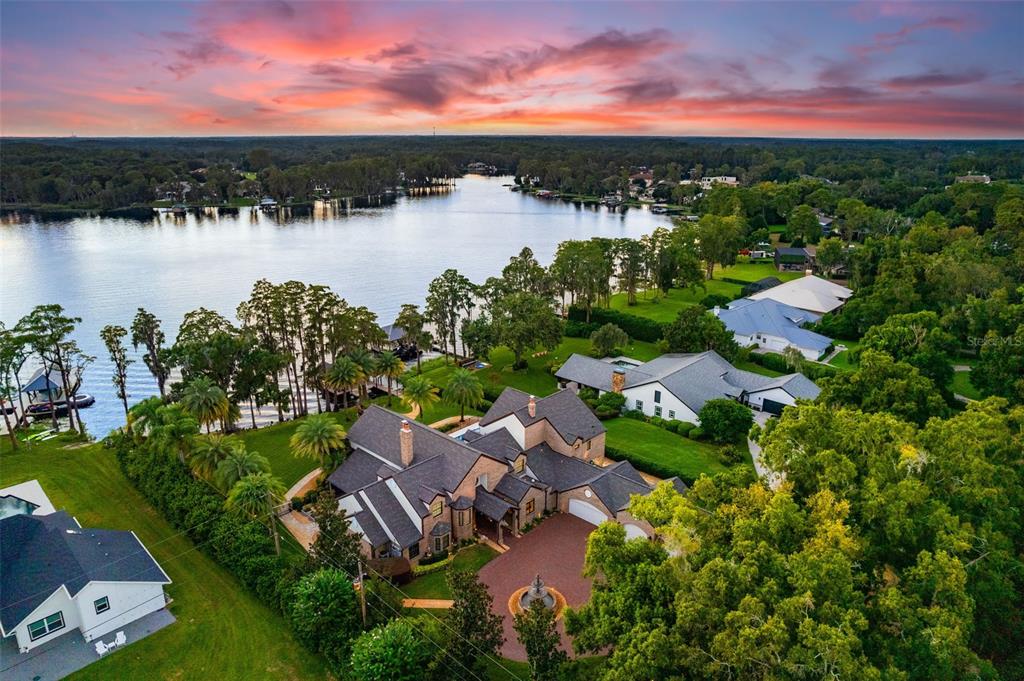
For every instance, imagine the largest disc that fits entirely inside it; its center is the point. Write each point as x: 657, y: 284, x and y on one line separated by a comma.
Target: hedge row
x: 243, y: 547
x: 639, y: 328
x: 777, y: 362
x: 645, y: 466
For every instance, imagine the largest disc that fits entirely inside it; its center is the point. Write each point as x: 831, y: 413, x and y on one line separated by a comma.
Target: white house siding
x: 514, y: 426
x: 59, y: 600
x: 669, y: 402
x: 773, y: 343
x: 128, y: 602
x: 775, y: 394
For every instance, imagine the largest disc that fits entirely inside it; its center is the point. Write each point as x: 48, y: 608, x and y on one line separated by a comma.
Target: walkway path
x: 300, y: 525
x: 304, y: 485
x: 774, y: 479
x: 468, y: 421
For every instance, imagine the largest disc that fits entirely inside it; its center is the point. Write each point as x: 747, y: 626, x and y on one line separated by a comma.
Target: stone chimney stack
x: 618, y: 380
x: 405, y: 442
x: 531, y: 406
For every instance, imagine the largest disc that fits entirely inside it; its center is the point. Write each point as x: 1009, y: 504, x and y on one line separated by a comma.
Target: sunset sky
x: 804, y: 69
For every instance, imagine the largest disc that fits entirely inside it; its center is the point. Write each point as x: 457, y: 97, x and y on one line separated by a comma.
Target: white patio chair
x: 120, y: 639
x: 101, y: 648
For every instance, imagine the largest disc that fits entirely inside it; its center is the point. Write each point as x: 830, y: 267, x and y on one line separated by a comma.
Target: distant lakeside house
x: 809, y: 293
x: 773, y: 326
x: 676, y: 386
x: 58, y: 577
x: 789, y: 259
x: 411, y: 491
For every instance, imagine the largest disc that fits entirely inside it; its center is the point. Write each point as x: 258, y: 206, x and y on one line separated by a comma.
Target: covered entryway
x: 592, y: 514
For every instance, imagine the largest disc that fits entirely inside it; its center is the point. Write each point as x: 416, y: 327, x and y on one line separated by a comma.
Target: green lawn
x: 272, y: 442
x: 222, y: 631
x: 962, y: 385
x: 844, y: 360
x: 757, y: 369
x: 665, y: 307
x: 435, y: 585
x: 685, y: 457
x: 754, y: 271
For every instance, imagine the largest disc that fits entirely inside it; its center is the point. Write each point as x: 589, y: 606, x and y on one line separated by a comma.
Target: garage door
x: 581, y: 509
x: 635, y: 532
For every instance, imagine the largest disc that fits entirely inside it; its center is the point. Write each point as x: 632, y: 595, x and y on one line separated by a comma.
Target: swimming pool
x: 10, y: 505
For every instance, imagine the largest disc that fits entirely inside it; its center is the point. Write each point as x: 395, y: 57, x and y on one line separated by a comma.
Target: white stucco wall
x: 128, y: 602
x: 58, y: 600
x: 773, y: 343
x: 669, y: 402
x: 775, y: 394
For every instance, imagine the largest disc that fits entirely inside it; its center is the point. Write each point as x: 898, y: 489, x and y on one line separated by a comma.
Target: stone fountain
x: 536, y: 592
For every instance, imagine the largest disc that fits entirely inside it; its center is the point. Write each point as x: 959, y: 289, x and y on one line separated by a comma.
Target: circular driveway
x: 554, y: 550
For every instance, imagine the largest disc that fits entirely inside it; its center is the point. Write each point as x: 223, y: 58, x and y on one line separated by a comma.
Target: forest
x: 110, y: 173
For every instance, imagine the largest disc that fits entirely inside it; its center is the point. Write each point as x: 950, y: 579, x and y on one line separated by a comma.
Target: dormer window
x: 520, y: 464
x: 437, y: 508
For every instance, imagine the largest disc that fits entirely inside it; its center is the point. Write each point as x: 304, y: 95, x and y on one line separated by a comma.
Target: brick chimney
x: 618, y: 380
x: 405, y: 442
x: 531, y: 406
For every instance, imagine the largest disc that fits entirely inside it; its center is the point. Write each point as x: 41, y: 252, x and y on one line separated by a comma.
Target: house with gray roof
x: 57, y: 576
x: 772, y: 325
x: 412, y: 491
x: 676, y: 386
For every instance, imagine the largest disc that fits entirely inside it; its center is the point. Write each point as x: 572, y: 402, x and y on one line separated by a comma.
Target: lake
x: 102, y: 269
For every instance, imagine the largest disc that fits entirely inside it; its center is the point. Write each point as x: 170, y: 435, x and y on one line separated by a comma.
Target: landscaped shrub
x: 725, y: 420
x: 643, y: 465
x: 712, y: 300
x: 730, y: 454
x: 607, y: 338
x: 636, y: 327
x: 492, y: 392
x: 436, y: 557
x: 609, y: 405
x: 577, y: 329
x: 685, y: 428
x: 776, y: 362
x: 635, y: 414
x: 696, y: 433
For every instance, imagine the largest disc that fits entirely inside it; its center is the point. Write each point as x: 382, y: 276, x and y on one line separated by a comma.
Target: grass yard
x: 961, y: 385
x: 844, y: 360
x: 685, y: 457
x: 757, y: 369
x: 665, y: 307
x: 754, y: 271
x: 435, y: 585
x: 222, y: 631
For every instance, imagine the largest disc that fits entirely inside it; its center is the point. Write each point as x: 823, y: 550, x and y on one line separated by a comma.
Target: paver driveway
x: 554, y: 550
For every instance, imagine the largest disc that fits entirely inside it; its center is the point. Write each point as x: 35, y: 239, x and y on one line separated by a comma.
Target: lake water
x: 102, y: 269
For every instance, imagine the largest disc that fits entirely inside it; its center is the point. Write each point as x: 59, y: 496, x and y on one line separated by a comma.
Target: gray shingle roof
x: 440, y: 529
x: 614, y: 490
x: 512, y: 488
x: 492, y: 506
x: 748, y: 317
x: 374, y: 533
x: 559, y: 471
x: 392, y: 514
x: 564, y: 410
x: 595, y: 373
x: 499, y: 443
x: 357, y: 471
x: 41, y: 553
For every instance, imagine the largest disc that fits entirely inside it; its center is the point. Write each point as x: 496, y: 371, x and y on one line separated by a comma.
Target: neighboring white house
x: 57, y: 577
x: 809, y: 292
x: 774, y: 326
x: 676, y: 386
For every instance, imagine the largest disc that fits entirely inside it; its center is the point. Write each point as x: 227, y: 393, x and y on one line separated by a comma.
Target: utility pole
x: 362, y: 589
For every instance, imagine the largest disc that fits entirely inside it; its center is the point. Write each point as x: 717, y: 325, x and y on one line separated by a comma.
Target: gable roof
x: 40, y: 554
x: 498, y: 443
x: 564, y: 410
x: 358, y: 470
x: 692, y: 378
x: 807, y: 293
x: 748, y: 317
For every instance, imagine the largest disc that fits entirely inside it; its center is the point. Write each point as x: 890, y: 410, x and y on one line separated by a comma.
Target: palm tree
x: 254, y: 497
x: 369, y: 366
x: 209, y: 451
x: 420, y: 392
x: 343, y: 375
x: 318, y: 437
x: 390, y: 367
x: 465, y: 390
x: 173, y: 430
x: 238, y: 464
x: 205, y: 401
x: 142, y: 417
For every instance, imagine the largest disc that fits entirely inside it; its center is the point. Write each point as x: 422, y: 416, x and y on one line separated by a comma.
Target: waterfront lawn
x: 222, y: 630
x: 665, y: 307
x: 961, y: 385
x: 435, y: 584
x: 684, y: 457
x: 272, y: 442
